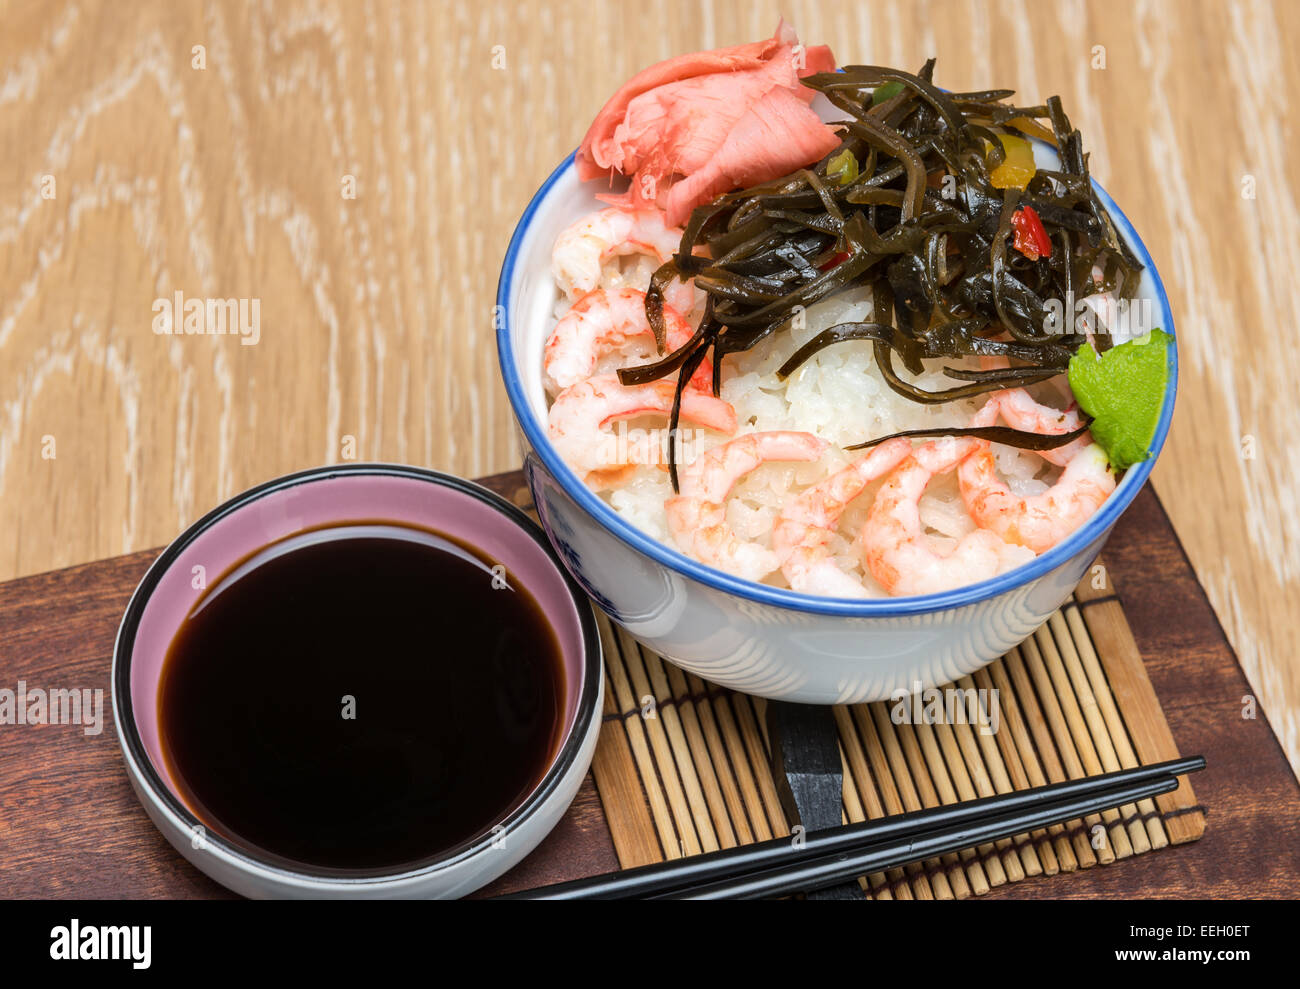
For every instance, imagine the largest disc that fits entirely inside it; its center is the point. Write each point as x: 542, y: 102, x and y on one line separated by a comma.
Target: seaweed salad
x: 933, y: 202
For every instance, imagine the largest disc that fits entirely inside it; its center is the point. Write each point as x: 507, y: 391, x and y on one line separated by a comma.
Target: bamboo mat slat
x: 682, y: 765
x: 1072, y: 702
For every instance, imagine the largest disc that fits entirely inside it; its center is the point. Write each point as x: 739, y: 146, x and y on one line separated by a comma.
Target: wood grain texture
x: 228, y: 181
x: 71, y: 827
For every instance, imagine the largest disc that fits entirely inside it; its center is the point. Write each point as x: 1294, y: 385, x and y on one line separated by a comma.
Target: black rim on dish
x: 566, y: 752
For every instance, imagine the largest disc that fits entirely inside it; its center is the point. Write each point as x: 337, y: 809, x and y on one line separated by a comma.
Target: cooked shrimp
x: 697, y: 517
x: 1022, y: 412
x: 583, y: 247
x: 893, y: 543
x: 580, y: 413
x: 805, y: 524
x: 606, y: 320
x: 1039, y: 521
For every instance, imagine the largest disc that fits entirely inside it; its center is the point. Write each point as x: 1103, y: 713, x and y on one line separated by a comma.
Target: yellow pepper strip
x: 1018, y: 168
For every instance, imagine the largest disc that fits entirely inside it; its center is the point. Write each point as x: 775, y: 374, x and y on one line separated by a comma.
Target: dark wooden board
x: 1251, y: 845
x: 70, y: 825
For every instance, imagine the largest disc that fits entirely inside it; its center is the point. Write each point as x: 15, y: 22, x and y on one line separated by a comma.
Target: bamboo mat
x: 682, y: 766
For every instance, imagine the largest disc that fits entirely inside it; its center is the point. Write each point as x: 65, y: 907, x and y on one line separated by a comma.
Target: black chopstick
x: 1007, y: 809
x: 800, y: 874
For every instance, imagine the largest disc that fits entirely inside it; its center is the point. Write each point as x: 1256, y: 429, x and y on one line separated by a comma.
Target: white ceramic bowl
x: 330, y: 495
x: 750, y: 636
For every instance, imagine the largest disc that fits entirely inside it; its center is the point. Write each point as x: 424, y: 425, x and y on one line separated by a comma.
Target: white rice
x: 838, y: 395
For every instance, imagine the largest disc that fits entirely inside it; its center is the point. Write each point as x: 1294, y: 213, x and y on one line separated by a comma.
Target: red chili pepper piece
x: 838, y: 260
x: 1031, y: 239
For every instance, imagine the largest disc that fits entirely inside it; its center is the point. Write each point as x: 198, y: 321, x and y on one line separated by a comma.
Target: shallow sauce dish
x: 329, y: 496
x: 754, y: 637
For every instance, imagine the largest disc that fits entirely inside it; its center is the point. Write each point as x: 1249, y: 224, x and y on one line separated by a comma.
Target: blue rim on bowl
x: 141, y: 766
x: 598, y: 509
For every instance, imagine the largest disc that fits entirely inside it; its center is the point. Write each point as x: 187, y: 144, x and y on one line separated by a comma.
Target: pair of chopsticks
x: 783, y: 866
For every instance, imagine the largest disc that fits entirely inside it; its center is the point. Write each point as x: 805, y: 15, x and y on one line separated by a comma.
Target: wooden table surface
x: 357, y: 168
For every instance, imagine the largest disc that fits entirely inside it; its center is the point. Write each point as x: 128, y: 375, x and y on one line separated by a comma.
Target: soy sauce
x: 359, y: 698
